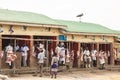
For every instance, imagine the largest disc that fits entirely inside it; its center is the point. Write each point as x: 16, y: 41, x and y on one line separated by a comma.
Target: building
x: 28, y: 28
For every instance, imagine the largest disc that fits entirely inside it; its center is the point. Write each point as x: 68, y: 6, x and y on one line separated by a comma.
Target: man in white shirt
x: 62, y: 56
x: 41, y: 57
x: 102, y: 57
x: 24, y: 51
x: 57, y: 50
x: 9, y: 51
x: 86, y: 52
x: 87, y: 58
x: 94, y: 57
x: 17, y: 48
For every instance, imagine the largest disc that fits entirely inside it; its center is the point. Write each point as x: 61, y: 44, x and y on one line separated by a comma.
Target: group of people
x: 61, y: 56
x: 11, y: 56
x: 40, y: 54
x: 89, y: 58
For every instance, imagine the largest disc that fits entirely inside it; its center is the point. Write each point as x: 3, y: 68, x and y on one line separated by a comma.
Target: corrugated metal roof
x: 34, y: 18
x: 117, y: 32
x: 25, y: 17
x: 82, y: 27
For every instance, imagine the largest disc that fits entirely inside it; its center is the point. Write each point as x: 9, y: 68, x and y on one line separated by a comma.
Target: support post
x: 14, y: 62
x: 32, y: 59
x: 47, y: 54
x: 112, y: 54
x: 79, y: 55
x: 97, y: 54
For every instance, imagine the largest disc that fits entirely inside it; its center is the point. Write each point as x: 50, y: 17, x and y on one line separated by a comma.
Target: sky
x: 103, y: 12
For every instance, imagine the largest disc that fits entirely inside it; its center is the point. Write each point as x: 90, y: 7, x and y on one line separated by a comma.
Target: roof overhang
x: 33, y: 24
x: 117, y: 38
x: 85, y: 33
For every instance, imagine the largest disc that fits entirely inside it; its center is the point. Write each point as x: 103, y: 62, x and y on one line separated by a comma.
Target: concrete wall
x: 18, y: 30
x: 83, y: 38
x: 43, y: 31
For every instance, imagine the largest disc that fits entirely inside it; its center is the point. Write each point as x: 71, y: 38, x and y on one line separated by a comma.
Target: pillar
x: 112, y: 53
x: 1, y: 42
x: 97, y: 55
x: 32, y: 59
x: 79, y: 62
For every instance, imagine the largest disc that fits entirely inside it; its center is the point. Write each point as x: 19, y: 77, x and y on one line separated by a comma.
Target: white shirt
x: 9, y: 48
x: 102, y: 58
x: 87, y: 52
x: 57, y: 49
x: 68, y: 58
x: 17, y: 48
x: 62, y: 52
x: 41, y: 45
x: 54, y: 59
x: 94, y: 52
x: 41, y: 57
x: 24, y: 50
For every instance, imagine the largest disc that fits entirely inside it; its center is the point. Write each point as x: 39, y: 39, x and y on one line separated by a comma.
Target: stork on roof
x: 80, y: 15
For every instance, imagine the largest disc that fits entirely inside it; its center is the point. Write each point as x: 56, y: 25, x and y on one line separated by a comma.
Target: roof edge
x: 86, y: 33
x: 33, y: 24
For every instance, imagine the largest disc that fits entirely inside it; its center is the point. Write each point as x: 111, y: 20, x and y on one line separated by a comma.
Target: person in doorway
x: 37, y: 50
x: 22, y: 55
x: 17, y: 48
x: 57, y: 50
x: 108, y: 56
x: 115, y: 55
x: 9, y: 51
x: 54, y: 66
x: 67, y: 60
x: 82, y: 57
x: 24, y: 51
x: 87, y: 58
x: 102, y: 57
x: 72, y: 58
x: 41, y: 57
x: 94, y: 57
x: 62, y: 56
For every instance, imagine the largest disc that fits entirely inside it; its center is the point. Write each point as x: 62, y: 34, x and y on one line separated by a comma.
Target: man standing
x: 102, y: 57
x: 24, y: 51
x: 87, y: 58
x: 67, y: 60
x: 94, y: 55
x: 41, y: 57
x: 62, y: 56
x: 9, y: 51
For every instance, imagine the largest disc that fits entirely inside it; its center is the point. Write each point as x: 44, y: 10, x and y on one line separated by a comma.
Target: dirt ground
x: 74, y: 75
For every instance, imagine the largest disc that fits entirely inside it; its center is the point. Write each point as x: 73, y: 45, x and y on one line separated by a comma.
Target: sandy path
x: 76, y: 75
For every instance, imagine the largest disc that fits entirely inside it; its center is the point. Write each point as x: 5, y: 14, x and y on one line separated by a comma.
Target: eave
x: 86, y: 33
x: 33, y: 24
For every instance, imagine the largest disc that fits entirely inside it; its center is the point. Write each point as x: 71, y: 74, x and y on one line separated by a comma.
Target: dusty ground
x: 75, y: 75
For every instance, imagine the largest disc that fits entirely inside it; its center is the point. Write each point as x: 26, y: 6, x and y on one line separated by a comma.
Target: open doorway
x: 49, y: 43
x: 15, y: 40
x: 106, y: 47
